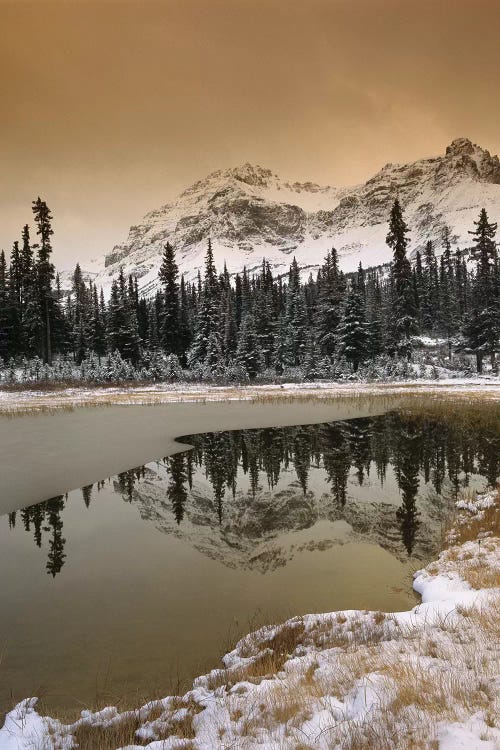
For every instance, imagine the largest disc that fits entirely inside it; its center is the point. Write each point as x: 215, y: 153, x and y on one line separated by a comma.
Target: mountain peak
x: 461, y: 146
x: 252, y: 174
x: 250, y: 213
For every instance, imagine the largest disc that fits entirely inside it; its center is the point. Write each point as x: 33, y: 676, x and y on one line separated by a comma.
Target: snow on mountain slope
x: 250, y: 213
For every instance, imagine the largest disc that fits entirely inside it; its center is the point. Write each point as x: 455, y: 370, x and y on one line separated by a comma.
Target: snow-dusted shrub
x: 236, y: 373
x: 339, y: 368
x: 66, y: 370
x: 10, y: 372
x: 422, y: 370
x: 45, y: 372
x: 153, y: 365
x: 267, y: 376
x: 35, y: 369
x: 325, y: 368
x: 463, y: 364
x: 293, y: 374
x: 369, y: 371
x: 311, y: 369
x: 194, y: 374
x: 172, y: 367
x: 114, y: 368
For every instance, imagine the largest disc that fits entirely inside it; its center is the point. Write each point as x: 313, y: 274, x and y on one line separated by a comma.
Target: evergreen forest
x: 367, y: 324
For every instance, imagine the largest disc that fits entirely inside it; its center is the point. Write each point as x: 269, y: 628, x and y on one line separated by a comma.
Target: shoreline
x: 28, y: 400
x: 90, y: 443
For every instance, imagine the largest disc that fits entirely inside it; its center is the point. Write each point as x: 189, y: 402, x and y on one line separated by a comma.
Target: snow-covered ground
x: 426, y: 678
x: 12, y: 401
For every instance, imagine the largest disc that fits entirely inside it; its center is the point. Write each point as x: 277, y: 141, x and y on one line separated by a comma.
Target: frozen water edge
x: 337, y: 672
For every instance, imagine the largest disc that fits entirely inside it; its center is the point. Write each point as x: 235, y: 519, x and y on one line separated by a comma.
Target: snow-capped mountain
x: 250, y: 213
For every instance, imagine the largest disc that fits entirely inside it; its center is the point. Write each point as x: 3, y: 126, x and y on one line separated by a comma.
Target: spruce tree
x: 430, y: 289
x: 97, y: 332
x: 449, y: 315
x: 32, y: 314
x: 207, y: 343
x: 168, y: 275
x: 264, y: 313
x: 374, y: 313
x: 248, y: 355
x: 185, y: 332
x: 5, y: 311
x: 13, y: 312
x: 80, y: 316
x: 230, y: 329
x: 45, y: 275
x: 26, y: 259
x: 153, y: 340
x: 329, y: 303
x: 116, y: 323
x: 353, y: 334
x: 403, y: 309
x: 295, y: 318
x: 131, y: 339
x: 482, y: 329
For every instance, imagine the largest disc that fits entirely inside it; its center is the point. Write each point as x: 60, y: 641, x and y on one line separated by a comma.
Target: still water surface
x: 141, y: 580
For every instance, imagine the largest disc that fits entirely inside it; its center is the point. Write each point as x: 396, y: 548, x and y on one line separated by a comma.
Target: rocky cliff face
x: 251, y: 213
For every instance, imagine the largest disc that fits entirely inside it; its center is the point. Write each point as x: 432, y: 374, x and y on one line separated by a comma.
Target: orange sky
x: 109, y: 108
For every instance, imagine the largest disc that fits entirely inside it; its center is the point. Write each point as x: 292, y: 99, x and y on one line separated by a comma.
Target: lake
x: 132, y: 585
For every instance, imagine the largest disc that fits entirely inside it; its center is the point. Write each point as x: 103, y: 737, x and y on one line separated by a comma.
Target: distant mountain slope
x: 251, y: 213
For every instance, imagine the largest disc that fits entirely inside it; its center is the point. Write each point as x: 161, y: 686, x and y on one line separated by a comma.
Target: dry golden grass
x: 289, y: 704
x: 438, y: 693
x: 481, y: 528
x: 43, y: 386
x: 485, y: 619
x: 470, y: 529
x: 88, y: 737
x: 122, y: 731
x: 428, y: 399
x: 267, y: 655
x: 480, y: 576
x: 448, y: 692
x: 476, y: 409
x: 419, y: 694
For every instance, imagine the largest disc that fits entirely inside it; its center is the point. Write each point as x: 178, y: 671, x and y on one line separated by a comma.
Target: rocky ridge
x: 250, y: 213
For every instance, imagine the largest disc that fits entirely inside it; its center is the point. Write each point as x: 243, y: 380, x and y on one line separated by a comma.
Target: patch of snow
x: 467, y: 735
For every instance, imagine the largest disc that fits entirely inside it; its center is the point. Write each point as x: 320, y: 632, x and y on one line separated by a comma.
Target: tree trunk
x: 48, y: 349
x: 493, y: 358
x: 479, y: 362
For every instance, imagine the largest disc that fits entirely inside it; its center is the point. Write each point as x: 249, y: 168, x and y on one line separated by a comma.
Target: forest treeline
x: 252, y: 325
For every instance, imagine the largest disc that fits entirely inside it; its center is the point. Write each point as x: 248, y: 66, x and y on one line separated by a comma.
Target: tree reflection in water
x: 418, y: 450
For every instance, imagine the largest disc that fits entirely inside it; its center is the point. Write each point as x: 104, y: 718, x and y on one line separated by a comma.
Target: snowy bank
x: 426, y: 678
x: 15, y: 402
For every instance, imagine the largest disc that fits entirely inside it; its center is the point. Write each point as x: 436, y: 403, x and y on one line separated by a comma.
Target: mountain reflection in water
x: 251, y: 485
